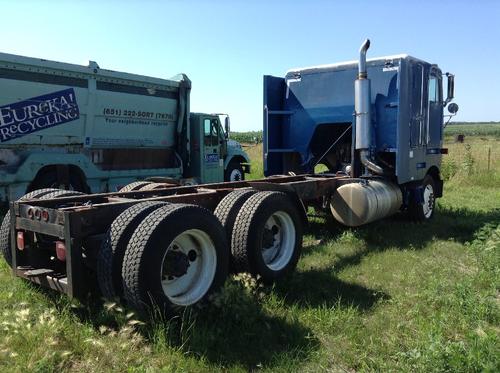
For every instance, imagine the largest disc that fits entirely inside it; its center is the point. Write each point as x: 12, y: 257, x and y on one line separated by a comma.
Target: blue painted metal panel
x: 273, y: 123
x: 402, y: 123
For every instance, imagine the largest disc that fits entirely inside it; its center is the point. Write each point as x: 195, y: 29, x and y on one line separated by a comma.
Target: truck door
x: 435, y: 109
x: 212, y: 160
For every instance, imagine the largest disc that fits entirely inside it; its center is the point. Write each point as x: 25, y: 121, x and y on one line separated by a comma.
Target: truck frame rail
x: 81, y: 222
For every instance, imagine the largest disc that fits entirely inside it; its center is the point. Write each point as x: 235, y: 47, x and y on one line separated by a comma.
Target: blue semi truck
x: 388, y: 125
x: 375, y: 127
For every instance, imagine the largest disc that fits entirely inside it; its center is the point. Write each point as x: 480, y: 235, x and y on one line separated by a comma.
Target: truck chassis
x: 81, y: 221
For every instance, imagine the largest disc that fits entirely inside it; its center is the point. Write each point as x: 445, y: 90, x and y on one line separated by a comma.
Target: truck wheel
x: 234, y: 172
x: 228, y: 208
x: 267, y: 236
x: 136, y: 185
x: 110, y: 255
x: 5, y: 227
x: 424, y: 211
x: 176, y: 258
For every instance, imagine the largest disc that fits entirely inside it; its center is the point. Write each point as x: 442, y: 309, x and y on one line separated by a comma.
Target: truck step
x: 45, y: 277
x: 38, y: 272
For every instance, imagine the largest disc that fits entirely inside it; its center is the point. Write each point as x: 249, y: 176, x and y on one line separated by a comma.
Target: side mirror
x: 227, y: 126
x: 451, y: 88
x: 453, y: 108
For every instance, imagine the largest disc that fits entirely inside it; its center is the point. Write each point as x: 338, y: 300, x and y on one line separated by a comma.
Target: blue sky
x: 225, y: 47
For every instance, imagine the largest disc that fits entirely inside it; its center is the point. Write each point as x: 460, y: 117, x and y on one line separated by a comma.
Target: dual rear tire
x: 163, y: 255
x: 265, y: 231
x: 176, y: 255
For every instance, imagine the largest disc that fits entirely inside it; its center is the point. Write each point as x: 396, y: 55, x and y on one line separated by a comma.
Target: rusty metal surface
x: 40, y: 227
x: 75, y: 219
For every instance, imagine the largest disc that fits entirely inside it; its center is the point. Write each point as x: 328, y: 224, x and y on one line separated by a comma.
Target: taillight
x: 45, y: 215
x: 61, y: 251
x: 20, y: 240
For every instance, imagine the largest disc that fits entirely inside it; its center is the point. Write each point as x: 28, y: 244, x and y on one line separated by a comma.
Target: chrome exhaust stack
x: 362, y: 108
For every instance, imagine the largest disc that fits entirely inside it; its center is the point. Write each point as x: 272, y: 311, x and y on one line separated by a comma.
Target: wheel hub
x: 188, y: 267
x: 269, y: 236
x: 235, y: 175
x: 176, y: 263
x: 428, y: 204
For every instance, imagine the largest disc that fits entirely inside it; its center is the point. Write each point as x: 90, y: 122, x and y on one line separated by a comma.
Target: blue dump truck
x: 95, y: 130
x: 375, y: 127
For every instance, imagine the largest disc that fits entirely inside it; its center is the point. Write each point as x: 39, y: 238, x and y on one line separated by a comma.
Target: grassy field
x: 390, y: 296
x: 483, y: 130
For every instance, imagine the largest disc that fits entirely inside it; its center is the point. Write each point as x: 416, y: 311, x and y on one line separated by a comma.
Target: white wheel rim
x: 235, y: 175
x: 278, y: 254
x: 190, y: 287
x: 428, y: 205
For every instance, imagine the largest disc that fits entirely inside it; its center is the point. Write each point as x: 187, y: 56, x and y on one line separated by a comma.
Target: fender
x: 235, y: 153
x: 35, y: 161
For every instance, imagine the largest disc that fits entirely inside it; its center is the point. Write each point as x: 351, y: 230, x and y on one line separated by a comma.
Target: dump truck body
x: 91, y: 128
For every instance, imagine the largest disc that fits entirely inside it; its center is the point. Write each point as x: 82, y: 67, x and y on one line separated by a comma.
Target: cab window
x: 433, y: 90
x: 211, y: 130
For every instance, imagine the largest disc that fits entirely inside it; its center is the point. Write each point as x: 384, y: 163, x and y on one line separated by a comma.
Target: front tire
x: 234, y: 172
x: 424, y: 211
x: 49, y: 179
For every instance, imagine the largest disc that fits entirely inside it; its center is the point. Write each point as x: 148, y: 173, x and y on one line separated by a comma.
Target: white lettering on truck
x: 37, y: 113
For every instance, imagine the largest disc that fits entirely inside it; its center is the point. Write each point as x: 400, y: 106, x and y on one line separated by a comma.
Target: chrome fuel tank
x: 356, y: 204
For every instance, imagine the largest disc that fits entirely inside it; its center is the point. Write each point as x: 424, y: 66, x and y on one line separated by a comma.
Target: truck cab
x: 387, y: 125
x: 215, y: 157
x: 308, y: 118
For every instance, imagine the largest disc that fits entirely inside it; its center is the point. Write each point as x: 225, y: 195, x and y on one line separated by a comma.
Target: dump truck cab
x: 214, y: 157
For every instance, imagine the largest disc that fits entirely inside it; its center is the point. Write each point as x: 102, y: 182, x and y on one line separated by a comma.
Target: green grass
x: 251, y: 137
x: 473, y: 129
x: 390, y: 296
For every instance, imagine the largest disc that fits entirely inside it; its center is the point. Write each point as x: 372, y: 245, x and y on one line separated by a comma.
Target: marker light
x: 20, y: 240
x: 61, y: 251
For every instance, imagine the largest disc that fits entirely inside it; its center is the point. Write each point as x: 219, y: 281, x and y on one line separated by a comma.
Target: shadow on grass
x: 243, y: 334
x: 399, y: 231
x: 236, y: 332
x: 322, y: 287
